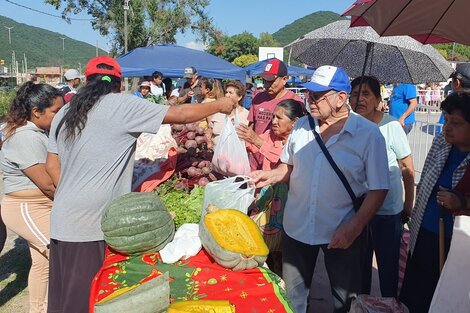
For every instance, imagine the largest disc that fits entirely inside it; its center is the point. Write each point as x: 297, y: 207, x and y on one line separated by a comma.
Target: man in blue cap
x: 319, y: 212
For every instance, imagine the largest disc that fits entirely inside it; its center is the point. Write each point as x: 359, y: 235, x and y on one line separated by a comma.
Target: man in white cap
x: 72, y: 77
x: 320, y: 213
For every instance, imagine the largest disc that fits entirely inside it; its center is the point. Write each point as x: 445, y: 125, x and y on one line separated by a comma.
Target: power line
x: 45, y: 13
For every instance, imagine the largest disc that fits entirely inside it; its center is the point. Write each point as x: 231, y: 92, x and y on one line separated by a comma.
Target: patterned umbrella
x: 426, y: 21
x: 360, y: 50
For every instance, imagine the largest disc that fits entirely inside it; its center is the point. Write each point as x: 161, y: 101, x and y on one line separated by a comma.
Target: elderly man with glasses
x: 320, y: 213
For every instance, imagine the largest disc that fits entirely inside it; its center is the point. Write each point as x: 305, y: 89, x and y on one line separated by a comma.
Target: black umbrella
x: 360, y: 50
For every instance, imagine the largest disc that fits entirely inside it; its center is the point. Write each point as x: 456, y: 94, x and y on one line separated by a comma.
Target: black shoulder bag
x: 357, y: 202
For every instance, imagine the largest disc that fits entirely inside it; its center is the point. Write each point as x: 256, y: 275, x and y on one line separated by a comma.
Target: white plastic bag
x: 230, y: 155
x: 236, y: 192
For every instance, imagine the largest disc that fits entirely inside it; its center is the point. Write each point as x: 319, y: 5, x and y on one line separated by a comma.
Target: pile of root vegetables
x: 194, y: 158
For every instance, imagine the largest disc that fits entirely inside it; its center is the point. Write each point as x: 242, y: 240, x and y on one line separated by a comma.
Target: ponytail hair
x: 29, y: 96
x: 75, y: 118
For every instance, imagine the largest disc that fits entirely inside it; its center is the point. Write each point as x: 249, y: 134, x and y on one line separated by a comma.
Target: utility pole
x: 63, y: 59
x: 97, y: 47
x: 126, y: 7
x: 9, y: 33
x: 25, y: 64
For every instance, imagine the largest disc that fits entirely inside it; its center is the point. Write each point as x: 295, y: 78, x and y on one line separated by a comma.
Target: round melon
x: 137, y: 223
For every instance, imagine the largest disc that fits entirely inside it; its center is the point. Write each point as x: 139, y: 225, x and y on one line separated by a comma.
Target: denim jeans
x: 386, y: 232
x: 342, y: 265
x: 408, y: 128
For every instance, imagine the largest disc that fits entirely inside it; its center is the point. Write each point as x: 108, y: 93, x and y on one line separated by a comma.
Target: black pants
x: 72, y: 266
x: 422, y: 272
x: 342, y: 265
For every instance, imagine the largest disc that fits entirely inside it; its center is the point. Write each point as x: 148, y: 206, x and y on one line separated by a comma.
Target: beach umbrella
x: 360, y: 50
x: 427, y: 21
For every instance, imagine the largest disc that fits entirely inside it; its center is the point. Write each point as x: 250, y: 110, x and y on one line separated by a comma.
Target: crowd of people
x: 343, y: 166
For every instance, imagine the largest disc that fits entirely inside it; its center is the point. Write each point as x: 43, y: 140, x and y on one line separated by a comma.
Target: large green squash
x: 150, y: 297
x: 232, y: 239
x: 137, y: 222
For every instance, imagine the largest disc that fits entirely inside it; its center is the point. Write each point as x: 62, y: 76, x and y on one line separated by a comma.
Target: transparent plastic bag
x: 236, y: 192
x: 230, y: 155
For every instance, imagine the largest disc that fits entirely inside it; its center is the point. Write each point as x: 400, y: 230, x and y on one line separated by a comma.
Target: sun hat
x: 145, y: 84
x: 71, y: 74
x: 92, y: 67
x: 273, y: 69
x: 328, y: 78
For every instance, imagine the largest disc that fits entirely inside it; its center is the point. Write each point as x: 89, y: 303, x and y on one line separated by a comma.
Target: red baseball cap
x: 92, y: 67
x: 275, y: 68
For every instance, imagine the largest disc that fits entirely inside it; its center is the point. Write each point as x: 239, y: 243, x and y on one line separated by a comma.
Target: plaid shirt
x: 435, y: 162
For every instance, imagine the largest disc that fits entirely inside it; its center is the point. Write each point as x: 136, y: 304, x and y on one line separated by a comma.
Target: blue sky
x: 232, y: 17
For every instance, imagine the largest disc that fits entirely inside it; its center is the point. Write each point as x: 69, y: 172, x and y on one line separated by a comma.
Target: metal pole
x: 25, y: 64
x: 96, y: 47
x: 63, y: 59
x: 126, y: 7
x: 9, y: 33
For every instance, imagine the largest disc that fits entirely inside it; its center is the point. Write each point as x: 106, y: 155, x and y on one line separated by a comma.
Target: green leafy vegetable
x: 186, y: 205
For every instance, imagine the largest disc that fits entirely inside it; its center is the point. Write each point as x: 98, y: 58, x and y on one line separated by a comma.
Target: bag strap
x: 332, y: 162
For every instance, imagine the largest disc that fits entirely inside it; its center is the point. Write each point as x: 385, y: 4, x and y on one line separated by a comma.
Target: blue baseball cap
x: 328, y: 78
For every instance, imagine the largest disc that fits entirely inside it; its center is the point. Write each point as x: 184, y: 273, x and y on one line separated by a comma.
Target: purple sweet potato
x: 194, y: 172
x: 200, y: 139
x: 177, y: 127
x: 191, y: 135
x: 206, y: 170
x: 203, y: 181
x: 200, y: 130
x: 190, y: 144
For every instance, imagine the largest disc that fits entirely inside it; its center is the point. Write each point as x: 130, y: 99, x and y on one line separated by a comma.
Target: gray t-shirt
x: 25, y: 148
x: 97, y: 166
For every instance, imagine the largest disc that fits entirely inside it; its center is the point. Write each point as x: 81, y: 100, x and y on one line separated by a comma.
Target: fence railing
x: 420, y: 139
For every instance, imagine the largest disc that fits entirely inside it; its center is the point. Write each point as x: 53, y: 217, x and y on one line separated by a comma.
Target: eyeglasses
x: 315, y: 98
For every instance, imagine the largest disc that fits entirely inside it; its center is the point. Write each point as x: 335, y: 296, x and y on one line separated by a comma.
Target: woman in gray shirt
x: 29, y: 190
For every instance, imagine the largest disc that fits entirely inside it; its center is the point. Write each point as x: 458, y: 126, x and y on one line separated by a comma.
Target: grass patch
x: 14, y: 276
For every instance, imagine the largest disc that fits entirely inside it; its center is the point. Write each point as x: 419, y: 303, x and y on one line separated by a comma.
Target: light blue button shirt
x: 318, y: 202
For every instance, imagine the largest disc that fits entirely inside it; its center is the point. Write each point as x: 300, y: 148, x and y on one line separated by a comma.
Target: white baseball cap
x: 71, y: 74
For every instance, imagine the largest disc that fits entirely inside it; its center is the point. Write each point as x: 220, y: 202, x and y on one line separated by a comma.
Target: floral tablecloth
x: 199, y: 277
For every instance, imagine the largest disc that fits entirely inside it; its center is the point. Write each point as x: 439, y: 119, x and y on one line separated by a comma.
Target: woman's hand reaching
x: 247, y: 134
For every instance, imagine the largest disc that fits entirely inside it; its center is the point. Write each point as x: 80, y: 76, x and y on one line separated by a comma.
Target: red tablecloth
x: 198, y: 277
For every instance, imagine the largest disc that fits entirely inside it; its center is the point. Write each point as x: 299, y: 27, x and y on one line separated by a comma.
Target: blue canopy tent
x: 171, y: 61
x: 257, y: 68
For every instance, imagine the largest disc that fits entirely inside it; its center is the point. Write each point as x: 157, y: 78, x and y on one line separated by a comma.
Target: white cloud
x: 196, y: 45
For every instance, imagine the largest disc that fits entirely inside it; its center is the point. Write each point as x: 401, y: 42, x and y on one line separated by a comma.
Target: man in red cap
x: 263, y: 104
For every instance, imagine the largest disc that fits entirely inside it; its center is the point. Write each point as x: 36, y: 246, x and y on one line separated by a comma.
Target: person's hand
x: 246, y: 133
x: 345, y: 235
x: 401, y: 120
x: 226, y: 105
x: 261, y: 178
x: 190, y: 93
x: 448, y: 199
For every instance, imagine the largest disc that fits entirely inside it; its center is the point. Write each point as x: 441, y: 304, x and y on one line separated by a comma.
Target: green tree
x: 267, y: 40
x: 231, y: 47
x: 245, y: 60
x: 149, y: 22
x: 244, y: 43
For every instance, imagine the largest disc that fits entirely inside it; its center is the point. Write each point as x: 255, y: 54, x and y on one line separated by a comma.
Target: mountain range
x: 42, y: 47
